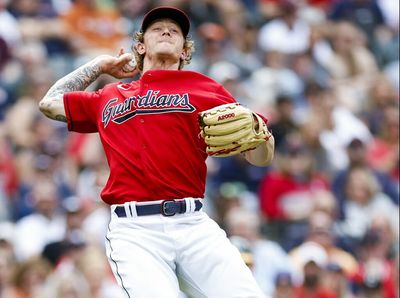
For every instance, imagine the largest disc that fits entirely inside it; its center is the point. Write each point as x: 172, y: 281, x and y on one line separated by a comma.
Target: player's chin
x: 168, y: 55
x: 166, y: 47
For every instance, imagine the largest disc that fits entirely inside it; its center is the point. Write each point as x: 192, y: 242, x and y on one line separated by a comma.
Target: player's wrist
x: 102, y: 62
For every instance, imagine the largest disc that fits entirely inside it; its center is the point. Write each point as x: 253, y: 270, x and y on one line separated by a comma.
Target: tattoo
x: 78, y: 80
x: 60, y: 118
x: 52, y: 104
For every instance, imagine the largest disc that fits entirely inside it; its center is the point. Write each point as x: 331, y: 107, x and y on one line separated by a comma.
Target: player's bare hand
x: 122, y: 66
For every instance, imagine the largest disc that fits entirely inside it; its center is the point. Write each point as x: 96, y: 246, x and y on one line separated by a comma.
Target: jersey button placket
x: 142, y: 122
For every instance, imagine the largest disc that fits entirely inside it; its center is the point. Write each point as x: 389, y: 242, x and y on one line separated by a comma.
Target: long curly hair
x: 139, y: 38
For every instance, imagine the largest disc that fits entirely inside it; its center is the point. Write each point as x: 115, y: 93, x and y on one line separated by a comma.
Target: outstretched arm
x: 52, y: 103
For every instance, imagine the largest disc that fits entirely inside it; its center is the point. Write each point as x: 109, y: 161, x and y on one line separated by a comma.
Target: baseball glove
x: 231, y: 129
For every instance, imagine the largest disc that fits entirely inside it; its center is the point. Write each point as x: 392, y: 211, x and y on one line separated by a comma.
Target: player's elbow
x: 45, y: 106
x: 52, y: 107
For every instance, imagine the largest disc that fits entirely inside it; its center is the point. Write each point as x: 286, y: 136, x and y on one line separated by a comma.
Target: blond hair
x: 139, y: 38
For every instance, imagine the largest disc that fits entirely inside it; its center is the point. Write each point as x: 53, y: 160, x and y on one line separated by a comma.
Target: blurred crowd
x: 322, y: 221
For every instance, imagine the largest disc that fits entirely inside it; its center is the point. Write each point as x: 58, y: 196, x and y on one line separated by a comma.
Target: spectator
x: 268, y: 258
x: 212, y: 37
x: 8, y: 172
x: 245, y: 250
x: 357, y: 153
x: 43, y: 226
x: 381, y: 94
x: 383, y: 237
x: 338, y: 127
x: 273, y: 79
x: 30, y: 278
x: 286, y: 193
x: 74, y: 237
x: 321, y: 231
x: 375, y: 277
x: 9, y: 31
x: 39, y: 23
x: 311, y: 260
x: 366, y: 14
x: 287, y: 34
x: 283, y: 124
x: 364, y: 201
x: 97, y: 30
x: 229, y: 75
x: 94, y: 267
x: 232, y: 195
x: 284, y: 287
x: 8, y: 262
x: 383, y: 152
x: 337, y: 282
x: 310, y: 131
x: 66, y: 285
x: 351, y: 66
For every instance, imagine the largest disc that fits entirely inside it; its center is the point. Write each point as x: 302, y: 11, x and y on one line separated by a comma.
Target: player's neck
x: 160, y: 64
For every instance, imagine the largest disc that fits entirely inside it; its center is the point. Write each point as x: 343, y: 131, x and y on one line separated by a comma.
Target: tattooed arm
x: 52, y: 103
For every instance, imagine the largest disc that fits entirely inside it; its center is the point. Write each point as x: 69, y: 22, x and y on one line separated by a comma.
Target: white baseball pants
x: 154, y: 256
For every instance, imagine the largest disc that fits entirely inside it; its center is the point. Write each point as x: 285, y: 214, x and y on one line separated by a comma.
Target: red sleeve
x: 81, y: 110
x: 224, y: 96
x: 263, y: 118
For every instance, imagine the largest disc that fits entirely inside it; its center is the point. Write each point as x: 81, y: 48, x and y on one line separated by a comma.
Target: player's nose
x: 166, y: 31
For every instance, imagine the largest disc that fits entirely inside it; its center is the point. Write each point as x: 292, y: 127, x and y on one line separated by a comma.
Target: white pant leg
x: 142, y: 257
x: 209, y: 265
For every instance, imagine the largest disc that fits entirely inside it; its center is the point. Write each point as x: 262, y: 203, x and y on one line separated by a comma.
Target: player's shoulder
x: 198, y: 75
x: 178, y: 76
x: 119, y: 86
x: 200, y: 81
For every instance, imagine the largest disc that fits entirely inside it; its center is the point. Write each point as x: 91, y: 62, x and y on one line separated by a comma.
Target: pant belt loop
x: 132, y: 207
x: 187, y: 202
x: 190, y: 205
x: 127, y: 209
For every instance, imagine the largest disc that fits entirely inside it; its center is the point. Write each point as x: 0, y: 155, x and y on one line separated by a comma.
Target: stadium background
x: 321, y: 221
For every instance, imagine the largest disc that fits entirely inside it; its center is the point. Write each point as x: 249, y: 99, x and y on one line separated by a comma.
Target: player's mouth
x: 165, y: 40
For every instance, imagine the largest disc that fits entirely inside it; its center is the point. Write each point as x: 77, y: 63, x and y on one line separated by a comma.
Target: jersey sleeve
x: 81, y: 109
x: 224, y: 96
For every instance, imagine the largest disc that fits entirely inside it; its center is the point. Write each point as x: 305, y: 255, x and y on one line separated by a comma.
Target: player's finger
x: 125, y: 57
x: 121, y: 52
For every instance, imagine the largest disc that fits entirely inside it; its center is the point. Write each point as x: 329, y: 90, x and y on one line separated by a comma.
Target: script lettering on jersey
x: 151, y: 103
x: 111, y: 111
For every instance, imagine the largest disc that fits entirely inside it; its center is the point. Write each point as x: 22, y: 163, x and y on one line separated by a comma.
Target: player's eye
x: 157, y: 29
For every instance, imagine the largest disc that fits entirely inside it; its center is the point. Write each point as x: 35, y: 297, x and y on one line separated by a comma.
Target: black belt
x: 166, y: 208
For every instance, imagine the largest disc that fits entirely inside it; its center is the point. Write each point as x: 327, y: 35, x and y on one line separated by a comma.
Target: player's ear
x: 140, y: 48
x: 184, y: 54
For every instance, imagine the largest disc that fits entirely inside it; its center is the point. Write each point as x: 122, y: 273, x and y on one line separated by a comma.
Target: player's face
x: 164, y: 38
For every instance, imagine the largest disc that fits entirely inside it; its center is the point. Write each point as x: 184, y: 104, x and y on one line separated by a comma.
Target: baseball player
x: 157, y: 132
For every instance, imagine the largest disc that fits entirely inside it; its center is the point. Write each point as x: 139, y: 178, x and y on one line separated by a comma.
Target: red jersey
x: 150, y: 133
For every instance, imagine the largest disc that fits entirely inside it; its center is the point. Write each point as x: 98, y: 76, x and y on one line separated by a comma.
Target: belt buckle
x: 164, y: 210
